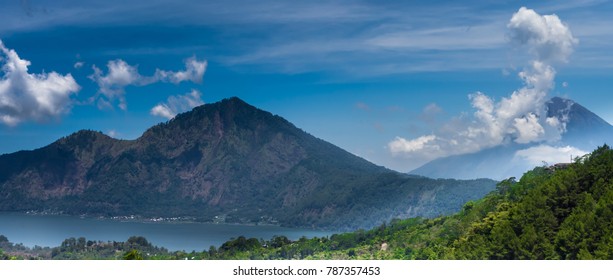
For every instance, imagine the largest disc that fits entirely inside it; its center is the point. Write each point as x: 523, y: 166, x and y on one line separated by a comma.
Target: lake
x: 51, y: 230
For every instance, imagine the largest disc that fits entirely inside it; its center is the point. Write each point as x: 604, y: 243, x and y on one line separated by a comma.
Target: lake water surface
x: 51, y: 230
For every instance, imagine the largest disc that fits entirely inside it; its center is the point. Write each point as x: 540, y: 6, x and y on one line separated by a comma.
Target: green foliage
x: 133, y: 255
x: 547, y: 214
x: 136, y: 247
x: 559, y: 214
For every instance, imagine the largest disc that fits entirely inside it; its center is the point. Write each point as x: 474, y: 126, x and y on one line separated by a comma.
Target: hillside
x: 222, y: 162
x: 550, y: 213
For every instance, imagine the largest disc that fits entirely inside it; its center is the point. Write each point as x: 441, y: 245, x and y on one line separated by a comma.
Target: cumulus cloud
x: 25, y: 96
x: 546, y: 37
x: 520, y: 117
x: 548, y: 154
x: 120, y: 75
x: 177, y: 104
x: 194, y: 71
x: 401, y: 145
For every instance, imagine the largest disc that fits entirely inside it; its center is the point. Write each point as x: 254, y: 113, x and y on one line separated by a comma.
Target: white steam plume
x: 520, y: 117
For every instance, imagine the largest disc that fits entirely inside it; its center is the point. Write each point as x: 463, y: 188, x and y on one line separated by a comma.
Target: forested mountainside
x: 224, y: 162
x: 554, y: 212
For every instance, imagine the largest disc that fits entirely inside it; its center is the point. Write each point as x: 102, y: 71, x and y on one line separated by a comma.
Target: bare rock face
x: 227, y: 159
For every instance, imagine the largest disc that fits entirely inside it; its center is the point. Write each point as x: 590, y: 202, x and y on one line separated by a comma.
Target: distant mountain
x: 222, y: 162
x: 584, y: 130
x: 494, y: 162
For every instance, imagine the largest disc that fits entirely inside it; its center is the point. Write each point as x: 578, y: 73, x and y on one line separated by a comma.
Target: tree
x: 133, y: 255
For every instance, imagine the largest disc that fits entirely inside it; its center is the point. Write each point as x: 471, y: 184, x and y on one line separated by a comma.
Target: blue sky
x: 386, y: 80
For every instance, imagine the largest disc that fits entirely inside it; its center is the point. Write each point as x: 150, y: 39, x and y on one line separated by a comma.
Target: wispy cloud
x: 25, y: 96
x: 194, y: 70
x: 440, y: 38
x: 382, y: 50
x: 120, y: 75
x: 362, y: 38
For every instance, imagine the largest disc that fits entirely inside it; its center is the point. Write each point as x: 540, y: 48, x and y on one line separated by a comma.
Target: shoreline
x: 190, y: 235
x: 149, y: 220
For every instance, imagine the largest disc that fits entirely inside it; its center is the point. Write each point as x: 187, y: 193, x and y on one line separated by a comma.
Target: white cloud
x: 177, y: 104
x: 549, y: 154
x: 121, y: 75
x: 401, y: 145
x: 25, y: 96
x: 476, y: 37
x: 528, y: 129
x: 520, y: 117
x: 112, y: 85
x: 194, y: 70
x: 546, y: 36
x: 162, y: 110
x: 392, y: 35
x: 78, y: 64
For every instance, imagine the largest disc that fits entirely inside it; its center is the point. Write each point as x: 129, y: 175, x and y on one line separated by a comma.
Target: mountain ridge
x: 226, y: 161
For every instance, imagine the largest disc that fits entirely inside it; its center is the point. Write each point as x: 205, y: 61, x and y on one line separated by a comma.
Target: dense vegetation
x: 135, y: 247
x: 223, y: 162
x: 550, y: 213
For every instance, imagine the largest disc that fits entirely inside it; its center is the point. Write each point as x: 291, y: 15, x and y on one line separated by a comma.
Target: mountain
x: 552, y: 214
x: 549, y: 214
x: 584, y: 130
x: 222, y: 162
